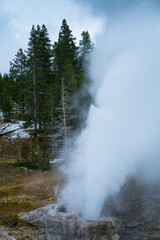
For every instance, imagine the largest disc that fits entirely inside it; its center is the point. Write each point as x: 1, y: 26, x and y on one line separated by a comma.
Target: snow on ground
x: 20, y: 132
x: 56, y: 160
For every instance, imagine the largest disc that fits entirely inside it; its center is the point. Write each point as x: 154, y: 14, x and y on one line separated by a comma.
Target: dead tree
x: 4, y: 133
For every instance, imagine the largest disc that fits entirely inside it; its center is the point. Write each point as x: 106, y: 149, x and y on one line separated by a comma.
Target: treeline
x: 47, y: 85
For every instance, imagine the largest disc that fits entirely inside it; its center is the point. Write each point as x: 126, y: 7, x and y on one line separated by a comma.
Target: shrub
x: 34, y: 156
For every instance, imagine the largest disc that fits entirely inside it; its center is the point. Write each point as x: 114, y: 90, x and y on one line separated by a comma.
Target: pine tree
x: 65, y: 49
x: 85, y: 48
x: 1, y: 88
x: 39, y: 65
x: 66, y: 68
x: 7, y: 91
x: 45, y: 72
x: 85, y: 45
x: 43, y: 82
x: 18, y: 72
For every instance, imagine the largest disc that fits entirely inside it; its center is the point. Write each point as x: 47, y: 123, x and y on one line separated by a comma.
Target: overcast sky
x: 18, y: 16
x: 112, y: 6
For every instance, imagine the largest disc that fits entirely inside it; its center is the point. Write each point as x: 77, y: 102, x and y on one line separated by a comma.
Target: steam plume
x: 123, y: 129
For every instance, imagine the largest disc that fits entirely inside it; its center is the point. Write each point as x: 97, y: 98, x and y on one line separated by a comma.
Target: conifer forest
x: 45, y: 86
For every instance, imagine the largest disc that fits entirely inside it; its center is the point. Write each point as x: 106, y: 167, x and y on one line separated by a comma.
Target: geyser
x: 123, y: 128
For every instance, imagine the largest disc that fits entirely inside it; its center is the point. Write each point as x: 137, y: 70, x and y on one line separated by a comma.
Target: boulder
x: 61, y: 225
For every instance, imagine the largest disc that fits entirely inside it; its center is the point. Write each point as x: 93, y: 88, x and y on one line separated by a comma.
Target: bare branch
x: 5, y: 133
x: 10, y: 139
x: 3, y: 128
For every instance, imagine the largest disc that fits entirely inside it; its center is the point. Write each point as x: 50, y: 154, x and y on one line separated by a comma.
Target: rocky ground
x: 137, y: 207
x: 141, y: 218
x: 61, y: 225
x: 138, y: 219
x: 22, y: 233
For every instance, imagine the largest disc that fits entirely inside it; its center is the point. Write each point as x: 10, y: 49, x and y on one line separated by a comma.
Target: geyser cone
x: 70, y: 226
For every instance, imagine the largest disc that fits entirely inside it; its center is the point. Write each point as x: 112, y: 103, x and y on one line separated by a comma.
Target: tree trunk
x: 64, y: 113
x: 34, y: 103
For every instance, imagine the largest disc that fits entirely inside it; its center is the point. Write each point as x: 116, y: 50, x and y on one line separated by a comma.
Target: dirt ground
x: 22, y: 191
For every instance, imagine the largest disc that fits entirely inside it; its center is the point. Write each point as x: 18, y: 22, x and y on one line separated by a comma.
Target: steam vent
x: 60, y: 225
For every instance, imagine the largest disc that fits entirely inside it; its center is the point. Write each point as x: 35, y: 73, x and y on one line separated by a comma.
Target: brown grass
x: 8, y: 150
x: 29, y: 192
x: 22, y: 191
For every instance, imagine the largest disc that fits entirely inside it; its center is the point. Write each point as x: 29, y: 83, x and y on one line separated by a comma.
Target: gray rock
x: 70, y: 226
x: 4, y: 235
x: 157, y: 227
x: 22, y: 232
x: 133, y: 225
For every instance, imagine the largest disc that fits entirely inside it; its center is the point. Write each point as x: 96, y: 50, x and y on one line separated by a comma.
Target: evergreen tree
x: 18, y: 72
x: 7, y: 87
x: 85, y: 48
x: 51, y: 113
x: 85, y: 44
x: 1, y: 88
x: 66, y: 68
x: 43, y: 82
x: 39, y: 65
x: 65, y: 50
x: 45, y: 74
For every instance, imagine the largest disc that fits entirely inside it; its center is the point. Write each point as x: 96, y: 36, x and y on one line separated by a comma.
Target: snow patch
x: 56, y: 160
x: 20, y: 132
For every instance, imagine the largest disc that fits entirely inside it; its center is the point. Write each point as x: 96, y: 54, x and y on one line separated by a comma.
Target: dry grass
x: 25, y: 193
x: 8, y: 150
x: 22, y: 191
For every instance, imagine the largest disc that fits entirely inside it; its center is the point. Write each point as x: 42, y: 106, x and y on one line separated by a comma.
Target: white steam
x: 123, y: 130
